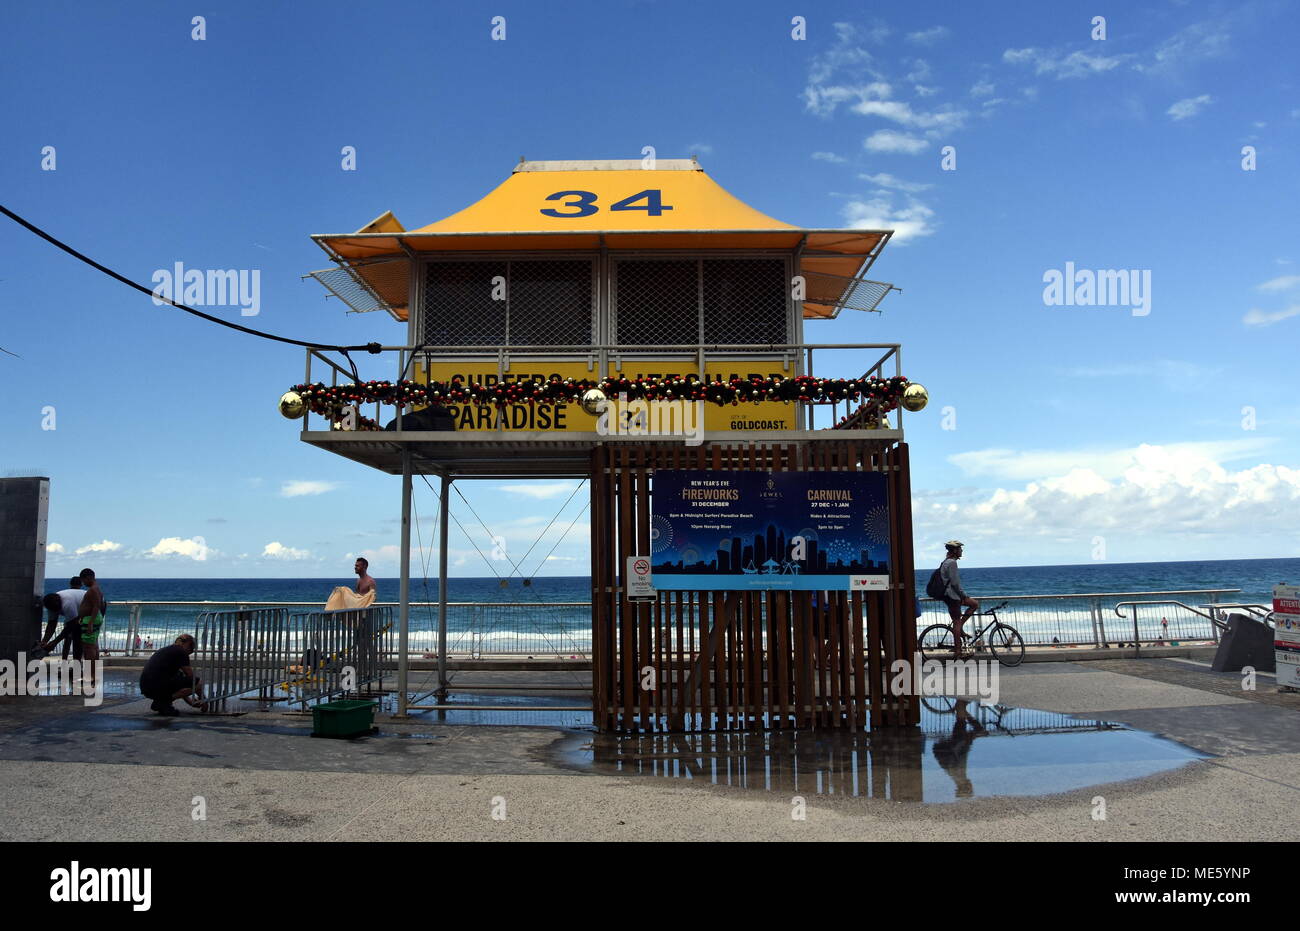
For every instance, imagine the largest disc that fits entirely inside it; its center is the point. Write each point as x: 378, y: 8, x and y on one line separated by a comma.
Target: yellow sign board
x: 555, y: 418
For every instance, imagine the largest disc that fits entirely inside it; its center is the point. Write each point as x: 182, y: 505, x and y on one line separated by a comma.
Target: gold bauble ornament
x: 915, y: 397
x: 292, y: 405
x: 594, y: 401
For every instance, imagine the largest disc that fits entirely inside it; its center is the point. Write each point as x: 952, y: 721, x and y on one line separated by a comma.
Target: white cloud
x: 891, y: 140
x: 1106, y: 463
x: 1054, y: 62
x: 1188, y: 107
x: 929, y: 36
x: 823, y: 99
x: 195, y: 548
x: 277, y: 550
x: 699, y: 148
x: 886, y: 180
x: 1284, y: 283
x: 920, y: 72
x: 1160, y: 490
x: 910, y: 222
x: 105, y: 546
x: 541, y: 490
x: 1174, y: 373
x: 829, y: 157
x: 923, y: 91
x: 901, y: 112
x: 55, y: 548
x: 298, y: 488
x: 1257, y: 317
x: 1190, y: 45
x: 982, y: 89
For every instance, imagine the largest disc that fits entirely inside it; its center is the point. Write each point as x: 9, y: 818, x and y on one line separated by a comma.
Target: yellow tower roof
x: 615, y: 204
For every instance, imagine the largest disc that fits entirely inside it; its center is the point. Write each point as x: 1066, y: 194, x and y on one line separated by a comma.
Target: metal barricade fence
x: 240, y: 651
x: 334, y: 652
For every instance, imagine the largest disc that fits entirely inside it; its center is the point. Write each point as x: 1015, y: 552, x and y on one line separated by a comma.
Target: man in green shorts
x: 91, y: 619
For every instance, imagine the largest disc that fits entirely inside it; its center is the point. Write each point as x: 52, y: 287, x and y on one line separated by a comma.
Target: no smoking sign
x: 638, y: 577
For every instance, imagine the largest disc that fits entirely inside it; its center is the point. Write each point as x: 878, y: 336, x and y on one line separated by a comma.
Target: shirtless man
x: 364, y: 582
x: 90, y: 617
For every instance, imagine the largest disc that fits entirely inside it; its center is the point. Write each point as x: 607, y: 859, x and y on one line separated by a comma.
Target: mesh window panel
x: 458, y: 306
x: 658, y: 303
x: 550, y: 303
x: 745, y: 301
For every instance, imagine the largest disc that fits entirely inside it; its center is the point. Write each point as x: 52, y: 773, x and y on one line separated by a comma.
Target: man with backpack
x: 945, y: 585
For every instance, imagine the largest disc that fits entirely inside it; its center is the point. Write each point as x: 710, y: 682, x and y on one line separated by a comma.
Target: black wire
x: 369, y: 347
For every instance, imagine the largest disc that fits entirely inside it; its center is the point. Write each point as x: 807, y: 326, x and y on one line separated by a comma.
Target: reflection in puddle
x: 552, y: 711
x: 960, y: 750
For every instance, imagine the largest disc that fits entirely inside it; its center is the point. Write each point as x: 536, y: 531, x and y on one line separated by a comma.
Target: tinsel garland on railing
x: 330, y: 399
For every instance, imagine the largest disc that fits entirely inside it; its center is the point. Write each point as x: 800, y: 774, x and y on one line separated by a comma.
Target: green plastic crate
x: 343, y: 718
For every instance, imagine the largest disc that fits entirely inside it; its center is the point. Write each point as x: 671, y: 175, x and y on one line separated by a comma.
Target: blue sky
x: 1056, y: 434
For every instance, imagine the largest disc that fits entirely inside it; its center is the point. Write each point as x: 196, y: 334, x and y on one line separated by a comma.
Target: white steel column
x: 404, y: 592
x: 442, y: 588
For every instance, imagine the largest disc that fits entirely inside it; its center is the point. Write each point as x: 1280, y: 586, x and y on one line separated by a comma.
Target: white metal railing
x: 563, y: 629
x: 1081, y: 619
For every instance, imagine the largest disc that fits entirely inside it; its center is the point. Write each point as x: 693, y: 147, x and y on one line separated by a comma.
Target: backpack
x: 935, y: 587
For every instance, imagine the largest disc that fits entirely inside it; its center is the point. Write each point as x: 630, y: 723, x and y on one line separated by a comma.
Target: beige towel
x: 345, y: 599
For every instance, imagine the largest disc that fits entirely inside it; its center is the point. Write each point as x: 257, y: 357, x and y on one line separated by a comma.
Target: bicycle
x: 1003, y: 641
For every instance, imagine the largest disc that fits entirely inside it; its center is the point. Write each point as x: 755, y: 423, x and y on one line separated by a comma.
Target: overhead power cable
x: 368, y: 347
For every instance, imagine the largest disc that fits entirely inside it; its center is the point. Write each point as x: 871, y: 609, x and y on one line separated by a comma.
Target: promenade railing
x: 563, y: 629
x: 1089, y: 619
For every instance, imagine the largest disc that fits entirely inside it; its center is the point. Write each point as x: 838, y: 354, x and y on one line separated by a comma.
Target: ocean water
x: 491, y: 617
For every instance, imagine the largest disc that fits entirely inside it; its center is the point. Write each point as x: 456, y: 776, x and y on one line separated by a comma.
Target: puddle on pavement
x: 960, y: 750
x: 543, y: 710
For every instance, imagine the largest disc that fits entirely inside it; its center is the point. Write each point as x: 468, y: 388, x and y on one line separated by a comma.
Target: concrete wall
x: 24, y: 509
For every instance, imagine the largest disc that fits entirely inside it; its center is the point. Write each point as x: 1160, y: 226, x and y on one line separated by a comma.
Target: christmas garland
x: 330, y: 400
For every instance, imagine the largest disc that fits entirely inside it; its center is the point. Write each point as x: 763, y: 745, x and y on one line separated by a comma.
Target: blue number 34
x: 583, y: 203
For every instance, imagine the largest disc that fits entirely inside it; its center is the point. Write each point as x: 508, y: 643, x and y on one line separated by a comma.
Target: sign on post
x: 1286, y: 636
x: 639, y: 584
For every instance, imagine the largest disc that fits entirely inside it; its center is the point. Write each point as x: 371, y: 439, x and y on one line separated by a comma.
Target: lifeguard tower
x: 632, y: 323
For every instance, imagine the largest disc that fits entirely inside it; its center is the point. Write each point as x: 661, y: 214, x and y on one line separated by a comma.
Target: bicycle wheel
x: 936, y: 642
x: 1006, y: 644
x: 939, y: 704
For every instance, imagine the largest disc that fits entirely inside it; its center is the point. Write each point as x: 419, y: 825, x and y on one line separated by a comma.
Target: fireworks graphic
x: 661, y: 533
x: 841, y: 551
x: 877, y: 524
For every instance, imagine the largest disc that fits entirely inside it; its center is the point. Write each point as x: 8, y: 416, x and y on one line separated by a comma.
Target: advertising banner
x: 737, y: 530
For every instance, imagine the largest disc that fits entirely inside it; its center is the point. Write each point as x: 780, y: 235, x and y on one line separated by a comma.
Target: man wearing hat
x: 954, y: 596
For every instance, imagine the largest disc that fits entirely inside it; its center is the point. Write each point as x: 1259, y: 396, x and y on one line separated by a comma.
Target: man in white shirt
x: 64, y: 604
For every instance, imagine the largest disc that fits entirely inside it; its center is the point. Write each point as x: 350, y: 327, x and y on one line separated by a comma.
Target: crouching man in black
x: 168, y: 675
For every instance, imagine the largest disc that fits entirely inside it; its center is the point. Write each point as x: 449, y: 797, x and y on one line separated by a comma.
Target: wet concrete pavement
x: 261, y: 776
